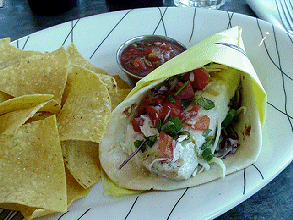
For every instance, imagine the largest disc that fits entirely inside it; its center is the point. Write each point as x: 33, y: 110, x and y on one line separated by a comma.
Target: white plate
x: 98, y: 38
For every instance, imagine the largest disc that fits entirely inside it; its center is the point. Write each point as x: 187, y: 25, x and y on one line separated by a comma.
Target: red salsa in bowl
x: 141, y: 55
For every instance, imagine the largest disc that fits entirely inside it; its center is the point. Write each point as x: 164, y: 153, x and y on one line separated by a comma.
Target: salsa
x: 162, y: 104
x: 142, y: 57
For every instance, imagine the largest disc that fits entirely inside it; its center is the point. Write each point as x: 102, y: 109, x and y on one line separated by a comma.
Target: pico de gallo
x: 177, y: 125
x: 142, y: 57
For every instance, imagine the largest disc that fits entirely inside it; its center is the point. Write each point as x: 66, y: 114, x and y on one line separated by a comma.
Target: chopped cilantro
x: 151, y: 140
x: 186, y: 102
x: 209, y: 141
x: 230, y: 118
x: 180, y: 78
x: 205, y: 103
x: 148, y: 142
x: 206, y: 132
x: 207, y: 154
x: 137, y: 144
x: 181, y: 88
x: 171, y: 99
x: 159, y: 124
x: 171, y: 127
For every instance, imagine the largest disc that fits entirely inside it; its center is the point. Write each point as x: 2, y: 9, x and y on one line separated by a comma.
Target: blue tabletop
x: 17, y: 20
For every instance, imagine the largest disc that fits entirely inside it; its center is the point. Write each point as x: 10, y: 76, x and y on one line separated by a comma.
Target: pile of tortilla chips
x: 54, y: 107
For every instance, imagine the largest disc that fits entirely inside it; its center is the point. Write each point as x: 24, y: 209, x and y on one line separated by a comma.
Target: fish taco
x: 183, y: 130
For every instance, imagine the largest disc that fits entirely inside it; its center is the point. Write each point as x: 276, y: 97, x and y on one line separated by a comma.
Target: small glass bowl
x: 134, y: 78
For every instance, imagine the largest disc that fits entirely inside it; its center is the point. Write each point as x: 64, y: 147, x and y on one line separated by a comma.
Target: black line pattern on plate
x: 244, y: 181
x: 25, y: 42
x: 71, y: 32
x: 279, y: 67
x: 290, y: 36
x: 244, y: 177
x: 230, y: 19
x: 177, y: 203
x: 258, y: 171
x: 279, y: 110
x: 17, y: 43
x: 264, y: 43
x: 193, y: 24
x: 110, y: 33
x: 131, y: 207
x: 161, y: 20
x: 62, y: 215
x: 280, y: 7
x: 84, y: 213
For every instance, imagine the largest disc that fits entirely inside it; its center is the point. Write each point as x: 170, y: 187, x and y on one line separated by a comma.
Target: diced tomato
x: 148, y: 50
x: 202, y: 123
x: 199, y: 78
x: 154, y: 112
x: 186, y: 93
x: 158, y: 100
x: 166, y: 145
x: 175, y: 110
x: 141, y: 108
x: 191, y: 113
x: 136, y: 123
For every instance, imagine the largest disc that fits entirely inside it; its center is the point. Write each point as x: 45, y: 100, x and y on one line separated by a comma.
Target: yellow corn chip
x: 74, y: 190
x: 77, y: 59
x: 22, y: 102
x: 85, y: 113
x: 4, y: 97
x: 82, y: 160
x: 10, y: 122
x: 121, y: 84
x: 38, y: 74
x: 11, y: 55
x: 117, y: 98
x: 32, y: 168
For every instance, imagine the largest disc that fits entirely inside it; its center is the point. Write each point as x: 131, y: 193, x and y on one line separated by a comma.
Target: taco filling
x: 185, y: 123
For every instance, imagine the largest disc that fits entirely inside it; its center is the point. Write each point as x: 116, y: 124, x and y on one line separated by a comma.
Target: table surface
x: 274, y: 201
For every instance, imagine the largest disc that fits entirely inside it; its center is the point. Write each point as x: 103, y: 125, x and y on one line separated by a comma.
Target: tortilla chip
x: 121, y: 84
x: 85, y: 113
x: 33, y: 172
x: 74, y: 190
x: 77, y: 59
x: 22, y: 102
x: 26, y: 212
x: 39, y: 74
x: 108, y: 81
x: 82, y: 160
x: 117, y: 98
x: 10, y: 122
x: 39, y: 116
x: 4, y: 97
x: 11, y: 55
x: 52, y: 107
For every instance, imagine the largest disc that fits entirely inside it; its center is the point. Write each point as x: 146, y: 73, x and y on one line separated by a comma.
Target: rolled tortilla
x: 135, y: 175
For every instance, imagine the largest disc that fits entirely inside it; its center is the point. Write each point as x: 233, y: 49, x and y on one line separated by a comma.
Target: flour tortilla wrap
x: 225, y: 48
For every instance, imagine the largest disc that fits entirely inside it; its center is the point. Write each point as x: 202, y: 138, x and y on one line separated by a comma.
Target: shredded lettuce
x: 221, y: 164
